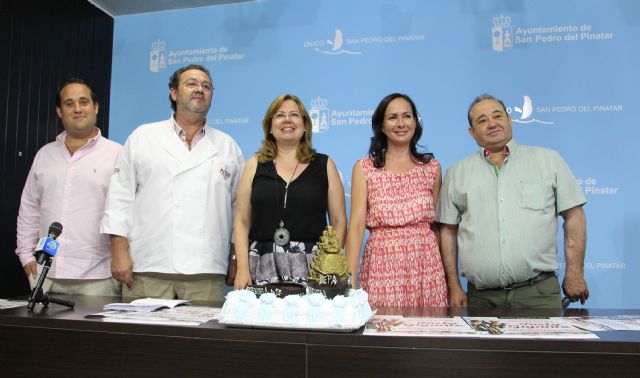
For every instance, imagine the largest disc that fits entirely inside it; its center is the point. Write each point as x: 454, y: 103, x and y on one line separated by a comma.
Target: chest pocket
x: 222, y: 173
x: 537, y: 195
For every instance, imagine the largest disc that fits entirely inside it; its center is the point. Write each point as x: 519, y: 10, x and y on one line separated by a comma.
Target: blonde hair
x: 269, y: 149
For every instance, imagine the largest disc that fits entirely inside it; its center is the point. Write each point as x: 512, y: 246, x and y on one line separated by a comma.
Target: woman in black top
x: 283, y: 198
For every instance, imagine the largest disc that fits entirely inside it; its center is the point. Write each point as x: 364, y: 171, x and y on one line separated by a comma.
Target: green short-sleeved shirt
x: 508, y: 223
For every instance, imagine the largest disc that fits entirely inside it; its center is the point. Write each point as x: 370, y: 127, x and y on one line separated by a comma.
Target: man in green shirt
x: 499, y: 212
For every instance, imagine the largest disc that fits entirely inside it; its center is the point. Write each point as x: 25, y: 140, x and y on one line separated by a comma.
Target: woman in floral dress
x: 393, y: 194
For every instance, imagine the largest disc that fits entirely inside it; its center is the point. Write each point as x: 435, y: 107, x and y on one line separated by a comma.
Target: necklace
x: 281, y: 236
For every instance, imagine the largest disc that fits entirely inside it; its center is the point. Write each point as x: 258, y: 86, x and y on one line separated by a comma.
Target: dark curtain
x: 43, y: 43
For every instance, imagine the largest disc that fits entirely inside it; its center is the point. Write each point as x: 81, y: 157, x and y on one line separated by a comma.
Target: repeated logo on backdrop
x: 319, y: 114
x: 334, y: 47
x: 529, y: 112
x: 524, y: 113
x: 160, y: 58
x: 504, y: 36
x: 501, y: 33
x: 342, y: 44
x: 322, y: 118
x: 157, y: 56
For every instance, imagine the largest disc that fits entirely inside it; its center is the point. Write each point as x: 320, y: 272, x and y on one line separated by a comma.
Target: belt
x: 531, y: 281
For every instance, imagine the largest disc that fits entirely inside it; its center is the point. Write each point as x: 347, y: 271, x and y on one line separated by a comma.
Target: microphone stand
x: 37, y: 295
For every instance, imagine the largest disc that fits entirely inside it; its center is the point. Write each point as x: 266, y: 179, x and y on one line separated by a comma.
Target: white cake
x: 242, y: 307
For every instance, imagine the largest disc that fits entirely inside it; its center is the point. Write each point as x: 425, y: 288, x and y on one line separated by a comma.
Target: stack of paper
x: 179, y: 316
x: 145, y: 305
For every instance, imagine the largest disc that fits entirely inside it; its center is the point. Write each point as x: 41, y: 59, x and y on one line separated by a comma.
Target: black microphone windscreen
x: 55, y: 229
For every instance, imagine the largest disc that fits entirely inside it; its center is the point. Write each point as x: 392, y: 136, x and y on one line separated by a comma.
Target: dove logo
x: 525, y: 113
x: 335, y: 46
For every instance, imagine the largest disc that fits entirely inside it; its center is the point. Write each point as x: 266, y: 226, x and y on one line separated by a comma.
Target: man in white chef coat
x: 171, y: 200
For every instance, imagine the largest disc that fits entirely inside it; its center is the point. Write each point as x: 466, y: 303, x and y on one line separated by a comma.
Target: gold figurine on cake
x: 329, y: 271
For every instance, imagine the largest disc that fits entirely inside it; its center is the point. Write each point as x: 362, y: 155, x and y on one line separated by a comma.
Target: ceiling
x: 116, y: 8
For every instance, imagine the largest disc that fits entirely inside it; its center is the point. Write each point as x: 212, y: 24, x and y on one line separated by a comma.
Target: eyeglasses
x: 194, y: 84
x: 281, y: 116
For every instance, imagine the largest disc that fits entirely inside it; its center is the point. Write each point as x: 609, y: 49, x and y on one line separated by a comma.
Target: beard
x: 198, y: 107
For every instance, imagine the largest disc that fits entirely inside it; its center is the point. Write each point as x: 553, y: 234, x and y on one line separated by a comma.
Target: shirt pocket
x: 536, y: 195
x: 222, y: 173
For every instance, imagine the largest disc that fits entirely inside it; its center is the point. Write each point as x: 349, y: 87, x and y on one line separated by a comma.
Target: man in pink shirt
x: 68, y: 183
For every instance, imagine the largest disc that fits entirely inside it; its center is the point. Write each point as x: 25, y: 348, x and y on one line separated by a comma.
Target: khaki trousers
x: 199, y: 287
x: 103, y: 287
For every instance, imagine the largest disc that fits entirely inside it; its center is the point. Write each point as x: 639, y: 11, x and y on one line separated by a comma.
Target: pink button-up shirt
x: 183, y: 136
x: 70, y: 189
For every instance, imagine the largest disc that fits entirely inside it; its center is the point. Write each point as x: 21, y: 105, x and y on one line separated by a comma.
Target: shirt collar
x: 509, y: 149
x: 180, y: 131
x: 63, y: 136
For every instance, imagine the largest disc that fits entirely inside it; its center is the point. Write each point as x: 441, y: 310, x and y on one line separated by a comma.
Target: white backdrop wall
x: 567, y: 71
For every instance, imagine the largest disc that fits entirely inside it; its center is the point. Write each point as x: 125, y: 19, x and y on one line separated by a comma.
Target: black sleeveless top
x: 306, y: 214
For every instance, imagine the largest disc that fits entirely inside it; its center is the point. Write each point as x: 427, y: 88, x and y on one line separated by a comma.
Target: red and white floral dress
x: 401, y: 265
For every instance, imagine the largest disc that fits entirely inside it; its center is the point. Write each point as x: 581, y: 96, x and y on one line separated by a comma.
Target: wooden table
x: 57, y: 341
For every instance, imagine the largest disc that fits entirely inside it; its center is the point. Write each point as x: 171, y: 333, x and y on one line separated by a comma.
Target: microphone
x: 48, y: 245
x: 44, y: 252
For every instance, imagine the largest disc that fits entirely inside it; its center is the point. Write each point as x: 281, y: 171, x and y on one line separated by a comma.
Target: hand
x: 457, y: 297
x: 122, y: 267
x: 243, y: 279
x: 575, y: 287
x: 31, y: 269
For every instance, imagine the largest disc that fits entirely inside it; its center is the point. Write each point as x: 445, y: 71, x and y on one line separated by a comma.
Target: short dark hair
x: 379, y: 141
x: 74, y: 80
x: 482, y: 97
x: 174, y: 80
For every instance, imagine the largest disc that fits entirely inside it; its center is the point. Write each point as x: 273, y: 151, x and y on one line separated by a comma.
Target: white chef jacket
x: 175, y: 206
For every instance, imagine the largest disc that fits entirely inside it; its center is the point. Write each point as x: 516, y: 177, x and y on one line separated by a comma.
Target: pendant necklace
x: 281, y: 235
